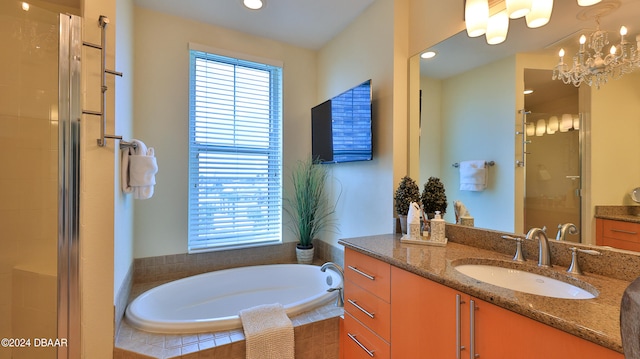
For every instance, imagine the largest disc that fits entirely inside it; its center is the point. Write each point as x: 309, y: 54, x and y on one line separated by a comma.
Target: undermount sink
x: 523, y: 281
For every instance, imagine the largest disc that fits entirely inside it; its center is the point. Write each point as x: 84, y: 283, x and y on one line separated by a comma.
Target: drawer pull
x: 623, y: 231
x: 353, y: 337
x: 353, y: 302
x: 368, y: 276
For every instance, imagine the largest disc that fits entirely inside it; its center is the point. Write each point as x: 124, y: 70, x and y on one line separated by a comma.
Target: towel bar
x: 125, y: 145
x: 102, y: 141
x: 489, y: 163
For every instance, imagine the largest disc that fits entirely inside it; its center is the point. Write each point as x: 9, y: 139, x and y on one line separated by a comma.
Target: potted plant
x: 308, y: 206
x: 407, y: 192
x: 434, y: 197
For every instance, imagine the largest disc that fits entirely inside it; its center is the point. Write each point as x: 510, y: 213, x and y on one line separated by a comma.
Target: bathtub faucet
x: 338, y: 269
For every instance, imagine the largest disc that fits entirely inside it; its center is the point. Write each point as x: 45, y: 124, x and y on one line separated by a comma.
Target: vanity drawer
x: 618, y: 234
x: 368, y: 273
x: 370, y: 310
x: 362, y: 343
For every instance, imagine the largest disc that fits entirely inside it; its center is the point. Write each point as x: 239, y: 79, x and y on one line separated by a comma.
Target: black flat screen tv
x: 341, y: 127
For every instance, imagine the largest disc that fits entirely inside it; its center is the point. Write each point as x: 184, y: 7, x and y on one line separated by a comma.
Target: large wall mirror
x: 466, y: 104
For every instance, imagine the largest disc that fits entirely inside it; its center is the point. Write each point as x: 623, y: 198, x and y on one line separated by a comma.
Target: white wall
x: 478, y: 111
x: 123, y: 205
x: 430, y: 156
x: 96, y: 193
x: 615, y: 130
x: 364, y: 51
x: 161, y: 89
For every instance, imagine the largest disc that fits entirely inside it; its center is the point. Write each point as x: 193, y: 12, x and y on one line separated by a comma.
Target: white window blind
x: 235, y: 153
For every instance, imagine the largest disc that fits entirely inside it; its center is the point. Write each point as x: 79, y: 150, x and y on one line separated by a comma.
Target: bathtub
x: 211, y: 301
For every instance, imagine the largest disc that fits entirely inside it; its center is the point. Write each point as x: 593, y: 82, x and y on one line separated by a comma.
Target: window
x: 235, y: 152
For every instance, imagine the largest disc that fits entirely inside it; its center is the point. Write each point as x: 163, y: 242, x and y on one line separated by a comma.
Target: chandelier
x: 592, y: 66
x: 536, y: 13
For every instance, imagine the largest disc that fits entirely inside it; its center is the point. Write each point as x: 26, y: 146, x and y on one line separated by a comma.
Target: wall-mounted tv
x: 341, y: 127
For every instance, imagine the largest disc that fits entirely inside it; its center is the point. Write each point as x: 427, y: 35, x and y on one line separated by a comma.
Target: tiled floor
x: 132, y: 343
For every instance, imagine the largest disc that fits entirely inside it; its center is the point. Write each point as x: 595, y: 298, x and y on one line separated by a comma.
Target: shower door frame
x: 69, y: 112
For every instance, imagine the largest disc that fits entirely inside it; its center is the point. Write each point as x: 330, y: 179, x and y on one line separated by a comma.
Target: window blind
x: 235, y: 152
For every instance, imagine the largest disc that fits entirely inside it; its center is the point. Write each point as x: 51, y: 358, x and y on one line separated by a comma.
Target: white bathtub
x: 211, y: 301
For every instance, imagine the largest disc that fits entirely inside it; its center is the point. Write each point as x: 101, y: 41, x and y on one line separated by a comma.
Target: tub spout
x: 338, y: 269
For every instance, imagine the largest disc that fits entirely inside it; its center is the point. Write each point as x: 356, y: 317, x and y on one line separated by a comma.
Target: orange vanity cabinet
x: 618, y: 234
x: 429, y: 320
x: 367, y: 292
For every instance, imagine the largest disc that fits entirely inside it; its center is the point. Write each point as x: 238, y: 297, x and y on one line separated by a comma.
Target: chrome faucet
x: 544, y: 255
x: 563, y: 229
x: 338, y: 269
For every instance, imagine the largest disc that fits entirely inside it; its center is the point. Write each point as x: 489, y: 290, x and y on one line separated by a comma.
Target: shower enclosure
x: 39, y: 180
x: 553, y: 155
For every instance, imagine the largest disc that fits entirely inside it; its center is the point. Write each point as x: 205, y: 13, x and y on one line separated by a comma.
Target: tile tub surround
x: 315, y: 331
x: 596, y: 320
x: 176, y: 266
x: 316, y: 336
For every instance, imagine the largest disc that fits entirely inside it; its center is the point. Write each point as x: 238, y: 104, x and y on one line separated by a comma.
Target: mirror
x: 468, y: 109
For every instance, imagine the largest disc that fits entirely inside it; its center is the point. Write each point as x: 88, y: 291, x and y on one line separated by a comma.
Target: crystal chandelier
x: 592, y: 66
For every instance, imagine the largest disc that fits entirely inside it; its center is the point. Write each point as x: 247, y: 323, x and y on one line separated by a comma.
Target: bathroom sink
x: 523, y: 281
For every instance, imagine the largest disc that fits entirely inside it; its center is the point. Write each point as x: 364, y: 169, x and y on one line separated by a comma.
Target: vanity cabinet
x: 618, y: 234
x: 367, y: 317
x: 439, y: 322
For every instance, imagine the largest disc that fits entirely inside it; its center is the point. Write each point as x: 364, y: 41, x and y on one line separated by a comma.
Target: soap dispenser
x: 437, y: 228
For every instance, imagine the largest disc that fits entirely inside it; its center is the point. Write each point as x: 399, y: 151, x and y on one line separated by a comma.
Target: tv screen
x: 341, y: 127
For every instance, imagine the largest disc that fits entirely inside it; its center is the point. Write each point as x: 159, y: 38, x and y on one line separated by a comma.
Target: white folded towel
x: 268, y: 332
x: 473, y: 175
x: 139, y: 167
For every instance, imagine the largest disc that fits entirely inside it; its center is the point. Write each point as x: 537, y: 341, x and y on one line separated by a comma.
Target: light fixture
x: 476, y: 16
x: 566, y: 122
x: 428, y: 54
x: 588, y: 2
x: 479, y: 20
x: 497, y: 28
x: 540, y: 13
x: 527, y: 91
x: 576, y: 122
x: 25, y: 6
x: 594, y: 68
x: 531, y: 129
x: 253, y: 4
x: 518, y: 8
x: 541, y: 127
x: 553, y: 124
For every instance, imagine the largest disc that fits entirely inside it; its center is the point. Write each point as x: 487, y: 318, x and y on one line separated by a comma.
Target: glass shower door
x: 30, y: 181
x: 553, y: 173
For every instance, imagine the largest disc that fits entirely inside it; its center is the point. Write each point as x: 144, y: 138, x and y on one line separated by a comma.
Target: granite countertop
x: 619, y: 213
x: 596, y: 320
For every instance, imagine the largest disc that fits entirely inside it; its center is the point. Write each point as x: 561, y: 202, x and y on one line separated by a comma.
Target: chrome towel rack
x: 488, y: 163
x: 102, y: 141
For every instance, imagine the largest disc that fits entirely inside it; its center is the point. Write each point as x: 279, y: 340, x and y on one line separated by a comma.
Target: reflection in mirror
x: 469, y: 109
x: 552, y: 166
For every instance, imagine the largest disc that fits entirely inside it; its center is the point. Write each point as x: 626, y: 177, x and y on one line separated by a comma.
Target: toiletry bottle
x: 437, y: 228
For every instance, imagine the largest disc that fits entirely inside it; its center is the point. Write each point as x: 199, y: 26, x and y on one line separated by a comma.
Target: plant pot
x: 304, y: 254
x: 403, y: 223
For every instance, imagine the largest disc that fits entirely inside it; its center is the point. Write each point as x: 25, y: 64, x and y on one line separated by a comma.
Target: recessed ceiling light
x: 428, y: 54
x: 528, y: 91
x: 25, y: 6
x: 253, y: 4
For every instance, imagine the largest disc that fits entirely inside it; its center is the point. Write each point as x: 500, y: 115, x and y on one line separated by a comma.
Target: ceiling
x: 568, y: 20
x: 304, y: 23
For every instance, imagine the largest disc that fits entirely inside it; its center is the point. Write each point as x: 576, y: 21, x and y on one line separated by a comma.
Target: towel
x: 473, y: 175
x: 268, y: 332
x: 139, y: 167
